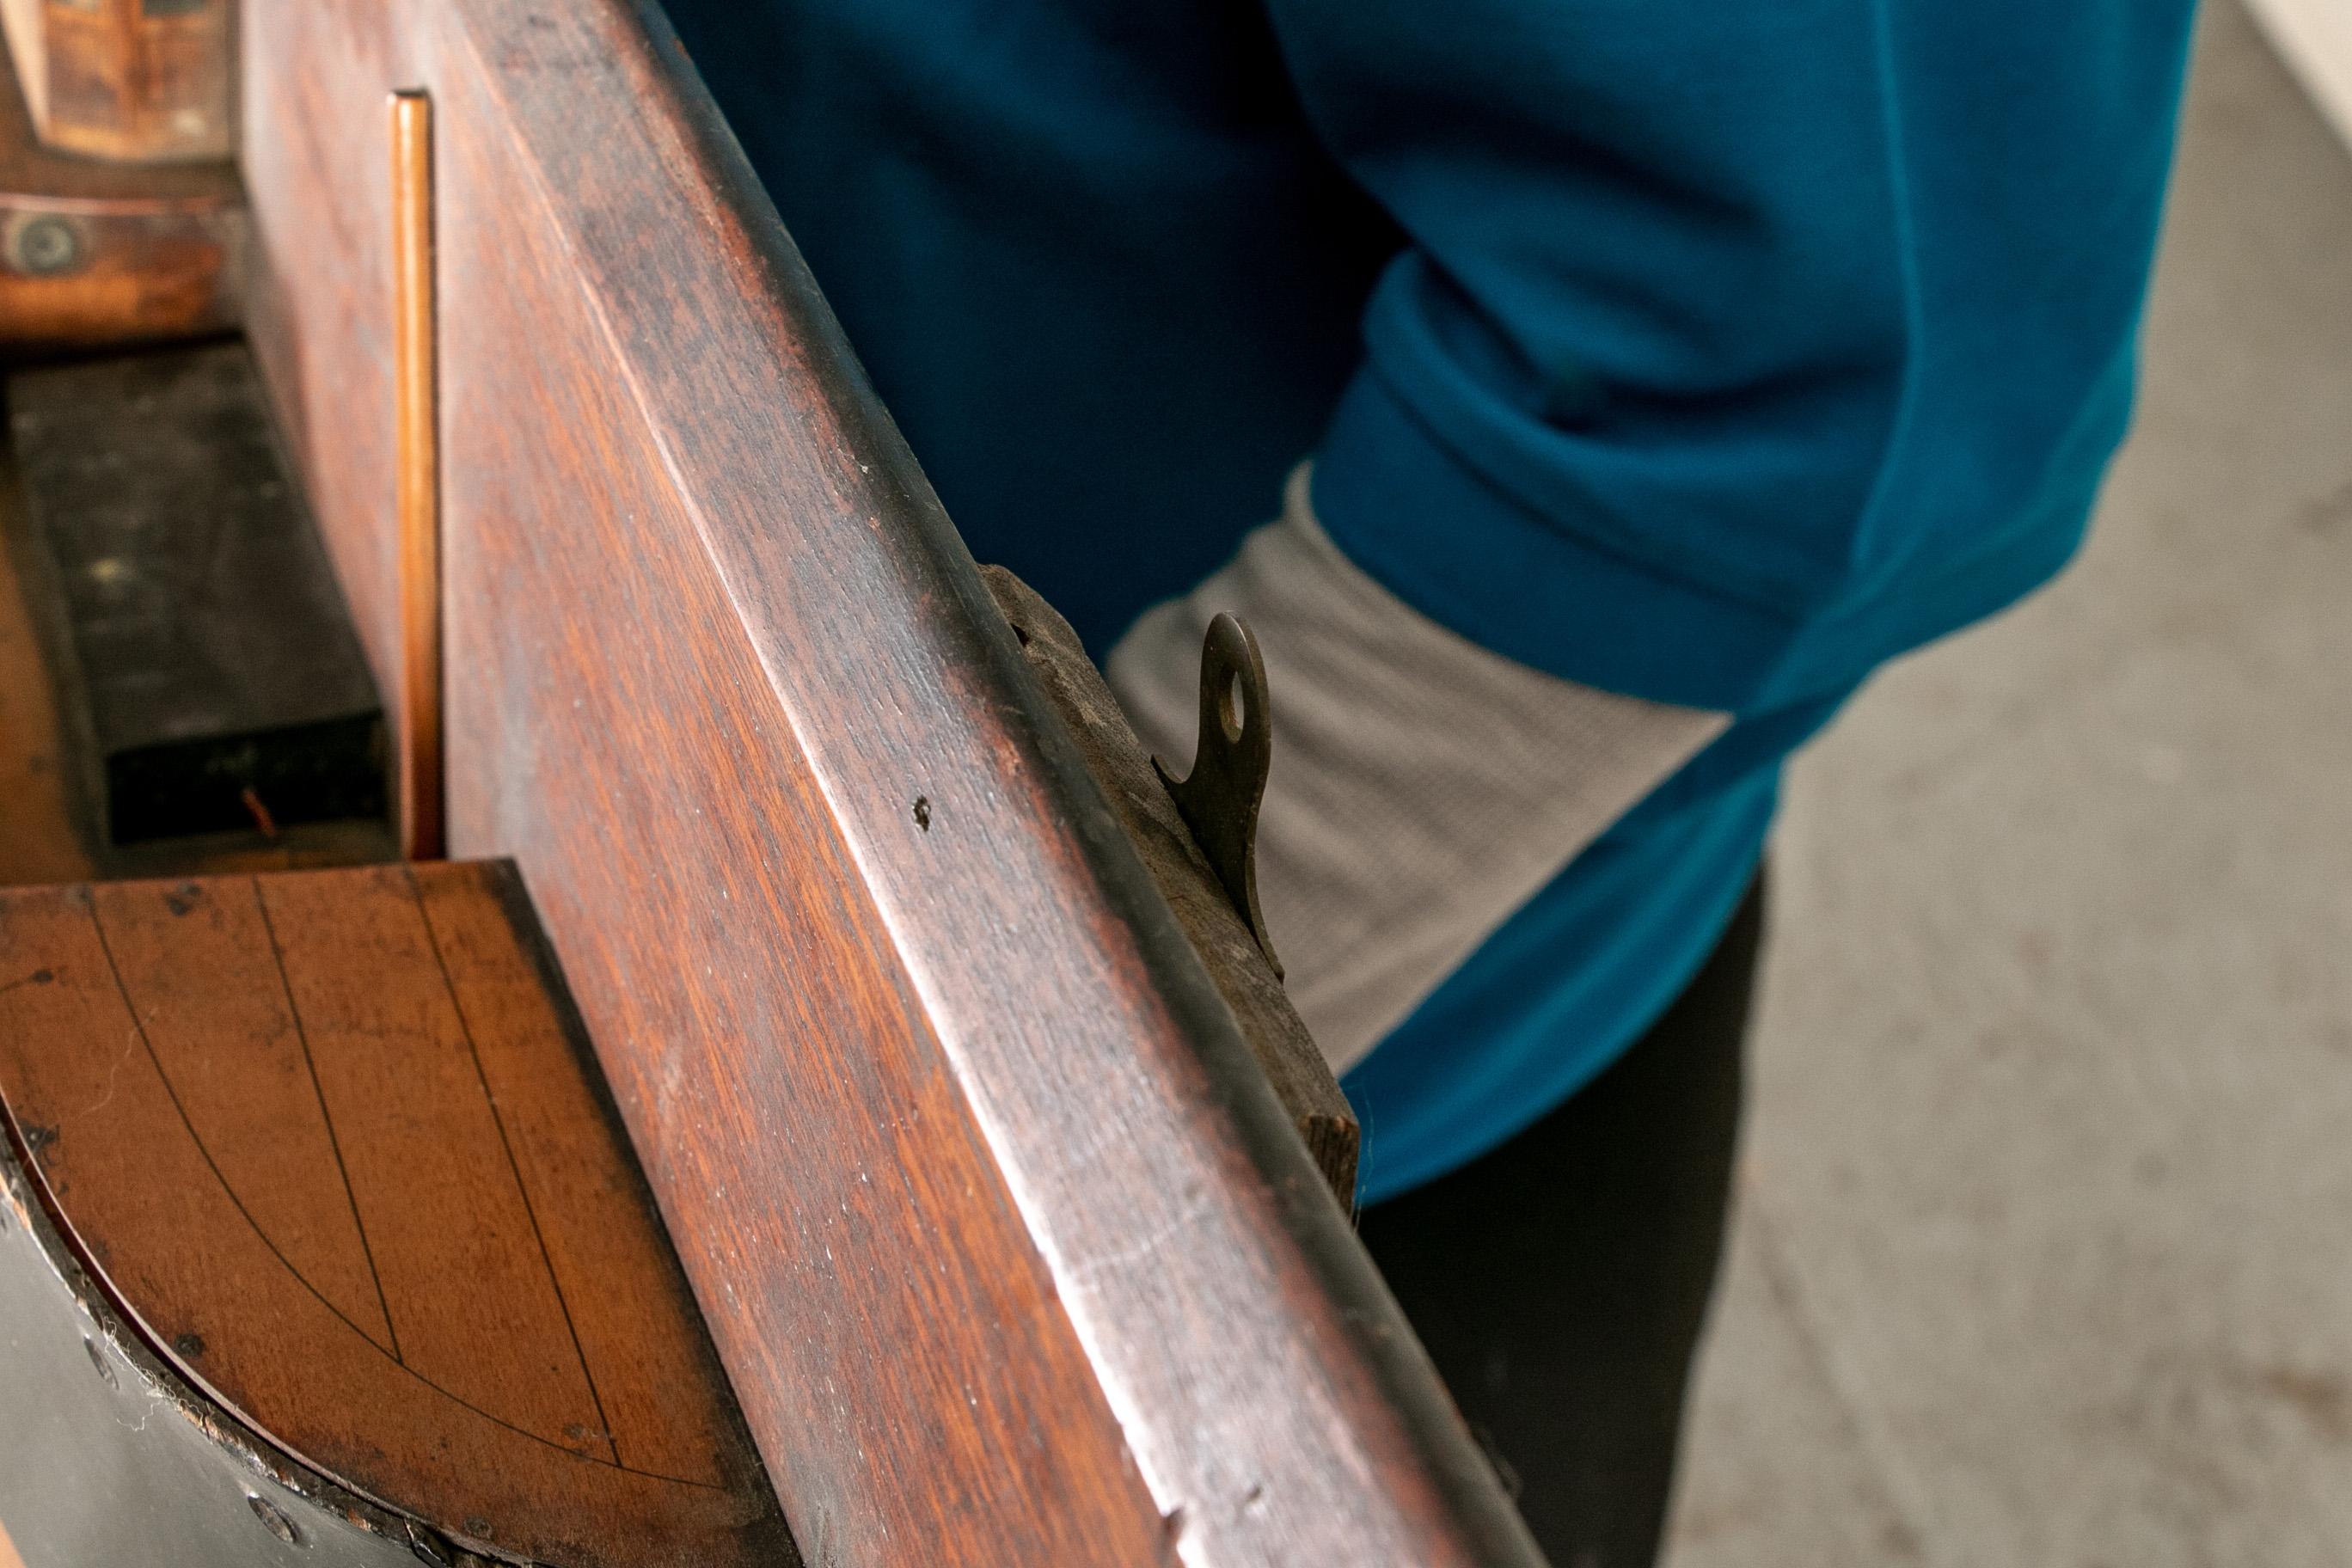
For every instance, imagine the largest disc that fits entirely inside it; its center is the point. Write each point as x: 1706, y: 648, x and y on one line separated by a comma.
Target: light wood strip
x: 418, y: 470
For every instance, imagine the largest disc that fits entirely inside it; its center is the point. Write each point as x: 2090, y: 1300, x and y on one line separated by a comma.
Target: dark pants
x: 1560, y: 1281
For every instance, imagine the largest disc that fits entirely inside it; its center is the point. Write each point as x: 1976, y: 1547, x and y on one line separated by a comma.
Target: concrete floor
x: 2044, y: 1252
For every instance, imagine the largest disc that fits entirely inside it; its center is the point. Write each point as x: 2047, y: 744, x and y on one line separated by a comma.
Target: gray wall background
x: 2045, y: 1248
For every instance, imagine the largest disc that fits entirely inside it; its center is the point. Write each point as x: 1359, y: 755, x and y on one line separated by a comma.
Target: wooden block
x: 209, y: 674
x: 333, y: 1140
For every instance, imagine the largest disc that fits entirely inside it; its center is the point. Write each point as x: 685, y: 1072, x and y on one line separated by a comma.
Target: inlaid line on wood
x: 139, y: 1028
x: 506, y: 1143
x: 303, y: 1037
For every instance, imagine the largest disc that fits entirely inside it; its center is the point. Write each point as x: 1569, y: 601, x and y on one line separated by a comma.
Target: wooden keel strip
x: 417, y: 456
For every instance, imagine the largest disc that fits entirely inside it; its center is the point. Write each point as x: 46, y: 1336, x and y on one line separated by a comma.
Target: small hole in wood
x: 923, y: 811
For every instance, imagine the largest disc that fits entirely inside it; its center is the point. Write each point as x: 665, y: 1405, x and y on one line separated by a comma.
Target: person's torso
x: 1110, y: 286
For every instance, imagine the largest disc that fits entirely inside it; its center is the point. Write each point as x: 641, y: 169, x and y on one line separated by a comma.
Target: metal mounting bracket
x: 1219, y: 799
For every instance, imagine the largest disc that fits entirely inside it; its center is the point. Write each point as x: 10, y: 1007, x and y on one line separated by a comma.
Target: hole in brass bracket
x: 1219, y: 799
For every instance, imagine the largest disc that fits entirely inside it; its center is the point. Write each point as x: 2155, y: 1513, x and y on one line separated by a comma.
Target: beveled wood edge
x: 1122, y: 771
x: 1224, y: 1164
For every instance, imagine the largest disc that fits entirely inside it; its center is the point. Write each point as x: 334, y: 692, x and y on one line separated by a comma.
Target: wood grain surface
x: 331, y: 1140
x: 1009, y: 1249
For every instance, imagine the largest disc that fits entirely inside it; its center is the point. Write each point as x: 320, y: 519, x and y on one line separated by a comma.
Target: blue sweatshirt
x: 1714, y: 353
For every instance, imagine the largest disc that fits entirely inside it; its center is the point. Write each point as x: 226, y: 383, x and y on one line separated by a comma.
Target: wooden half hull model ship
x: 577, y: 985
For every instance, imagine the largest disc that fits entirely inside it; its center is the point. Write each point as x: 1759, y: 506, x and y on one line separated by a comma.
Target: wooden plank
x: 230, y: 1089
x: 1011, y: 1251
x: 320, y: 307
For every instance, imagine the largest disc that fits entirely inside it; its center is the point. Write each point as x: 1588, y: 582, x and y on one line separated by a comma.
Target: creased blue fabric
x: 1713, y: 354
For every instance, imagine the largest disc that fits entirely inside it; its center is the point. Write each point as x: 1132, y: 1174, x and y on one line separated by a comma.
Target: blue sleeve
x: 1736, y: 348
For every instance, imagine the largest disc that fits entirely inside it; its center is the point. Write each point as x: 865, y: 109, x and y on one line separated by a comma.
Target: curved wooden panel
x: 109, y: 1457
x: 329, y: 1139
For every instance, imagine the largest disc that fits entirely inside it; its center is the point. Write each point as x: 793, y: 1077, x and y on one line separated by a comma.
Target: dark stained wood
x: 331, y: 1139
x: 1122, y: 769
x: 1012, y: 1254
x: 129, y: 81
x: 41, y: 837
x: 93, y: 252
x: 207, y: 665
x: 47, y: 832
x: 38, y: 840
x: 417, y: 457
x: 308, y: 848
